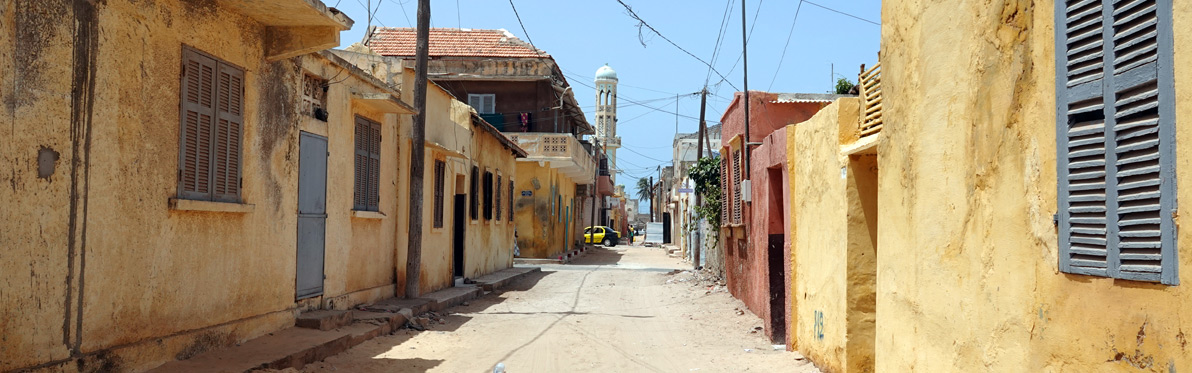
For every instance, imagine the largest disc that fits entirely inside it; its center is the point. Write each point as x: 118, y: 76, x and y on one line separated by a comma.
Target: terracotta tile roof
x: 452, y: 42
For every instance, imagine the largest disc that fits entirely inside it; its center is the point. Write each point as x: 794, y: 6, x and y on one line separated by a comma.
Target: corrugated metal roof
x: 790, y: 98
x: 453, y: 42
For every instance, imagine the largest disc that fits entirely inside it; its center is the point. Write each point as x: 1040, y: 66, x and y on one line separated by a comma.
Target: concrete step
x: 324, y: 319
x: 503, y: 277
x: 449, y: 297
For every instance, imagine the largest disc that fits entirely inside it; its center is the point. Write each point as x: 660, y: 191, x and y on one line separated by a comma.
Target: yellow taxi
x: 603, y: 235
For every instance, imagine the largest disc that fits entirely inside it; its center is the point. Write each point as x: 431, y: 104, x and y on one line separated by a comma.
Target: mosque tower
x: 606, y: 116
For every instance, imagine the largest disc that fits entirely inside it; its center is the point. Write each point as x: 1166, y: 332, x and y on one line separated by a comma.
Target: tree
x: 706, y: 176
x: 843, y: 86
x: 643, y: 189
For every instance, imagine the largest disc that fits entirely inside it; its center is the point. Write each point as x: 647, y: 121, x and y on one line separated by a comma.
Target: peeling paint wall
x: 101, y: 272
x: 542, y: 223
x: 967, y: 256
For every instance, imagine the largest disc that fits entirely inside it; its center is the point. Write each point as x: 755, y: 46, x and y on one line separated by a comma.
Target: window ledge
x: 180, y: 204
x: 367, y: 214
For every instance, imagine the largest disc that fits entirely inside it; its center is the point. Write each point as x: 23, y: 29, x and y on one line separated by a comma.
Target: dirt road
x: 618, y: 310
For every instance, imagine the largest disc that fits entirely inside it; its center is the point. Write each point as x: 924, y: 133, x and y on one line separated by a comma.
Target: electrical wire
x: 642, y: 23
x: 788, y: 43
x: 523, y: 26
x: 843, y: 13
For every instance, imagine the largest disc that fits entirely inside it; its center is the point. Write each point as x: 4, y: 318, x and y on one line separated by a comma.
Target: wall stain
x: 278, y: 120
x: 47, y: 160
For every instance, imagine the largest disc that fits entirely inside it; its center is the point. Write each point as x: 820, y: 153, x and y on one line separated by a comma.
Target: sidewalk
x: 324, y: 333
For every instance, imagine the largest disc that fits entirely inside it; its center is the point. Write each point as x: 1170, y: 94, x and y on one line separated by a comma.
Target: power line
x: 403, y: 12
x: 719, y: 39
x: 750, y: 37
x: 523, y: 26
x: 788, y: 43
x: 647, y: 157
x: 843, y: 13
x: 642, y: 23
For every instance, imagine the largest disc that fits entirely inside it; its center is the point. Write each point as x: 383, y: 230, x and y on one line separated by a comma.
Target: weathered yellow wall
x: 967, y: 257
x: 358, y: 262
x: 454, y: 139
x: 542, y: 231
x: 820, y: 232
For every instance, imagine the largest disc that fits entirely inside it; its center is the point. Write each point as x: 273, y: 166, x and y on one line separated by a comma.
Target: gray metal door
x: 312, y: 214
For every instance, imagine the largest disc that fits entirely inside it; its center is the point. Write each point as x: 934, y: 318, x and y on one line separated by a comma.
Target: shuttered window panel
x: 737, y: 187
x: 367, y: 180
x: 510, y: 200
x: 440, y: 176
x: 473, y: 197
x: 488, y: 195
x: 497, y: 198
x: 1116, y: 137
x: 212, y: 123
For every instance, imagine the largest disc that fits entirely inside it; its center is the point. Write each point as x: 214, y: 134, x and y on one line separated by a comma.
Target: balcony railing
x: 869, y: 84
x: 562, y: 151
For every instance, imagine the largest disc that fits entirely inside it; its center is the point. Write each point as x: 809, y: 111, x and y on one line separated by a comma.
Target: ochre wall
x: 967, y: 257
x: 542, y: 232
x: 100, y: 225
x: 358, y: 262
x: 820, y: 256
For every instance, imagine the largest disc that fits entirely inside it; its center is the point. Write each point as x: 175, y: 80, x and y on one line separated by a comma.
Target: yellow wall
x: 358, y: 262
x: 453, y: 138
x: 828, y: 232
x: 542, y: 231
x: 967, y: 255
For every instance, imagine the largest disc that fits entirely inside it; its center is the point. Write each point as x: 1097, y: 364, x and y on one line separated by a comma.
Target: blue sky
x: 584, y: 35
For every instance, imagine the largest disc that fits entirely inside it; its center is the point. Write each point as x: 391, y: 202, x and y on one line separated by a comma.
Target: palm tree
x: 643, y: 189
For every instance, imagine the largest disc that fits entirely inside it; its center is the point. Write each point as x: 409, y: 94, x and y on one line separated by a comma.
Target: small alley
x: 621, y: 309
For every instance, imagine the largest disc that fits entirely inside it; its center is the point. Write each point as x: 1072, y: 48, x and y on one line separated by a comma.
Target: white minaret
x: 606, y: 116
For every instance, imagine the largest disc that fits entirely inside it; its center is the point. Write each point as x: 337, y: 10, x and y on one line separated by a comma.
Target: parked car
x: 602, y: 234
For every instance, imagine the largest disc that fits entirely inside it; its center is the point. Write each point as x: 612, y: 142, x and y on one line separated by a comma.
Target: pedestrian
x: 516, y: 250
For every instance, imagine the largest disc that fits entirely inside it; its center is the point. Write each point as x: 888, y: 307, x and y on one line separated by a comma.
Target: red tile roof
x: 452, y: 42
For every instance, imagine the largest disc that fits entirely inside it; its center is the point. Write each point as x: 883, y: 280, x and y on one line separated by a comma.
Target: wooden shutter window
x: 367, y: 180
x: 510, y: 200
x: 440, y: 174
x: 488, y: 195
x: 737, y: 187
x: 1116, y: 139
x: 212, y: 121
x: 497, y: 196
x: 475, y: 189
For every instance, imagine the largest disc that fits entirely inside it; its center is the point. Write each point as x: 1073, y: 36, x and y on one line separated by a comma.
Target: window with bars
x: 368, y: 165
x: 497, y: 195
x: 736, y: 187
x: 314, y: 97
x: 473, y: 197
x: 488, y: 195
x: 440, y: 180
x: 211, y: 123
x: 1115, y: 134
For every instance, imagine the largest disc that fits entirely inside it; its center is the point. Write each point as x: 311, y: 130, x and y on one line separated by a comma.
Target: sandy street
x: 615, y: 310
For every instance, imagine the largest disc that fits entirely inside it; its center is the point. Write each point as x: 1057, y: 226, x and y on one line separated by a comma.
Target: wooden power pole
x: 699, y: 199
x: 417, y: 153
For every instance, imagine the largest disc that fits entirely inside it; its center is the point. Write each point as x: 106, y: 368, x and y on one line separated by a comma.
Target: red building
x: 755, y: 234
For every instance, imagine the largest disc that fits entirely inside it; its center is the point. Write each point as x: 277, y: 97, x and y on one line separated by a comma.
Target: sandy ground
x: 613, y: 310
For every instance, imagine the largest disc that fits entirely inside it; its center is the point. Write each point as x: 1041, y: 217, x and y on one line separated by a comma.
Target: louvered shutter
x: 360, y: 181
x: 497, y: 196
x: 229, y: 123
x: 1117, y: 191
x: 510, y: 200
x: 440, y: 175
x: 474, y: 199
x: 488, y: 195
x: 197, y: 125
x: 374, y: 166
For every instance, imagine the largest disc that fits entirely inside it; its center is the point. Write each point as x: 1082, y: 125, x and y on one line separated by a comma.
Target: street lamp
x: 560, y: 107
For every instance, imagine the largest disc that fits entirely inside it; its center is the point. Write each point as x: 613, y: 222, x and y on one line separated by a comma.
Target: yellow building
x: 201, y: 173
x: 1015, y: 232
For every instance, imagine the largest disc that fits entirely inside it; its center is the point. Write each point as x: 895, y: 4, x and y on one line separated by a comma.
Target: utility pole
x: 417, y: 153
x: 745, y: 70
x: 595, y: 179
x: 652, y: 207
x: 699, y: 199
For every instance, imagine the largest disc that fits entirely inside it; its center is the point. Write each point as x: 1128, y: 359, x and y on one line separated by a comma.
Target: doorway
x: 776, y: 255
x: 459, y: 231
x: 312, y: 215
